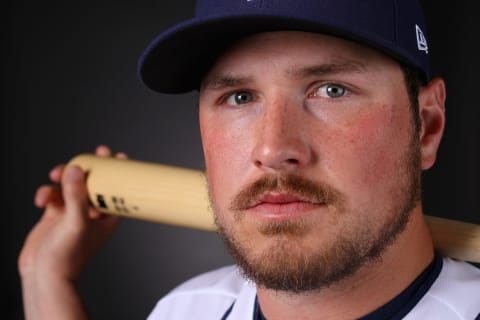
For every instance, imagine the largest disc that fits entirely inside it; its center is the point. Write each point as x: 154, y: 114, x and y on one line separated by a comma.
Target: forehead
x: 294, y: 50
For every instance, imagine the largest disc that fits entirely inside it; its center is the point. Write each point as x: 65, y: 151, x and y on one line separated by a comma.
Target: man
x: 317, y: 118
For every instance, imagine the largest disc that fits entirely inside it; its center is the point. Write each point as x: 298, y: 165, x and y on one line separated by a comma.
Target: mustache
x: 306, y: 189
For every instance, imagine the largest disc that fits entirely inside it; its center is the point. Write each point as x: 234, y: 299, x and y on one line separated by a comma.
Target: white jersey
x: 225, y: 294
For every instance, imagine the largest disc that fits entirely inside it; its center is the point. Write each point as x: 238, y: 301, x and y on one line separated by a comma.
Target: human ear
x: 432, y: 116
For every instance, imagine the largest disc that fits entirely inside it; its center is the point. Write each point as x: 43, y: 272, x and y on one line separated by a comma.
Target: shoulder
x: 454, y: 295
x: 207, y: 296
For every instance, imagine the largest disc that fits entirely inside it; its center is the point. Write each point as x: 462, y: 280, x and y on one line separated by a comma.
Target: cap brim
x: 177, y: 59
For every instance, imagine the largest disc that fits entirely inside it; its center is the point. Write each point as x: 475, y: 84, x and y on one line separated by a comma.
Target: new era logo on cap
x: 421, y: 40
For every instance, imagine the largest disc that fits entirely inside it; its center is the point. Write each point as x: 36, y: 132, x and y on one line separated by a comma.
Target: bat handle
x: 147, y: 191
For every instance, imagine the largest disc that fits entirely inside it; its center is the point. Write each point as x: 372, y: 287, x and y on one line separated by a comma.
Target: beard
x: 291, y: 265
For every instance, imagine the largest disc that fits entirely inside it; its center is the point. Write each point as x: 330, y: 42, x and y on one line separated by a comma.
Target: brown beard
x: 286, y: 266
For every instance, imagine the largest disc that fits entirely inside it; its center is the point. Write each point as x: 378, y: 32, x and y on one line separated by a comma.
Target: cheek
x: 226, y: 156
x: 370, y: 148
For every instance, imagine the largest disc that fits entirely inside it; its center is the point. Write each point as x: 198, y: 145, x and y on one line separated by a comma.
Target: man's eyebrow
x: 218, y: 82
x: 223, y: 81
x: 326, y: 69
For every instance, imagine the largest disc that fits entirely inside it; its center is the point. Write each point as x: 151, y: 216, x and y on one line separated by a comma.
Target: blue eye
x: 240, y: 97
x: 331, y: 90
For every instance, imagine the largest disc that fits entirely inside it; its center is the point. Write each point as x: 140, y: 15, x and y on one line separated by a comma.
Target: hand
x: 67, y: 235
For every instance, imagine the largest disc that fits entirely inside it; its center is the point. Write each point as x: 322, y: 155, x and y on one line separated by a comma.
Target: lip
x: 282, y: 207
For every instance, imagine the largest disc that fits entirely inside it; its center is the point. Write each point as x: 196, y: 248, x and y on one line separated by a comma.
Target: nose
x: 282, y: 141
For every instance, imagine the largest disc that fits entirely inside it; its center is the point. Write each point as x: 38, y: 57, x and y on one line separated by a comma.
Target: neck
x: 366, y: 290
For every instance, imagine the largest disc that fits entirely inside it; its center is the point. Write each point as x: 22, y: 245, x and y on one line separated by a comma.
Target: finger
x: 56, y: 173
x: 103, y: 151
x: 75, y: 195
x: 121, y: 155
x: 94, y: 214
x: 48, y: 195
x: 108, y: 221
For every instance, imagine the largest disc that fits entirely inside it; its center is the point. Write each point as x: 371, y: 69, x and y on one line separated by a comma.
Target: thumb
x: 75, y: 195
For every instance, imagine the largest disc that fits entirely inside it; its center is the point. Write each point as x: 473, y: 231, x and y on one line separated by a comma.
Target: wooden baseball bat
x: 178, y: 196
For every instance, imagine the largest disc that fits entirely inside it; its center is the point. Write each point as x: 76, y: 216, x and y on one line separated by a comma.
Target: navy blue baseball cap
x: 177, y: 59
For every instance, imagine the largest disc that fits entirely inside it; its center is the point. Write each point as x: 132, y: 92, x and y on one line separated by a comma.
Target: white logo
x: 421, y: 40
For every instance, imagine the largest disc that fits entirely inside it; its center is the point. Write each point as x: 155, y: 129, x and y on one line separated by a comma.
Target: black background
x: 69, y: 83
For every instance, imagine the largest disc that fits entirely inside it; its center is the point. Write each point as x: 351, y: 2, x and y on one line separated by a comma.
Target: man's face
x: 312, y: 160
